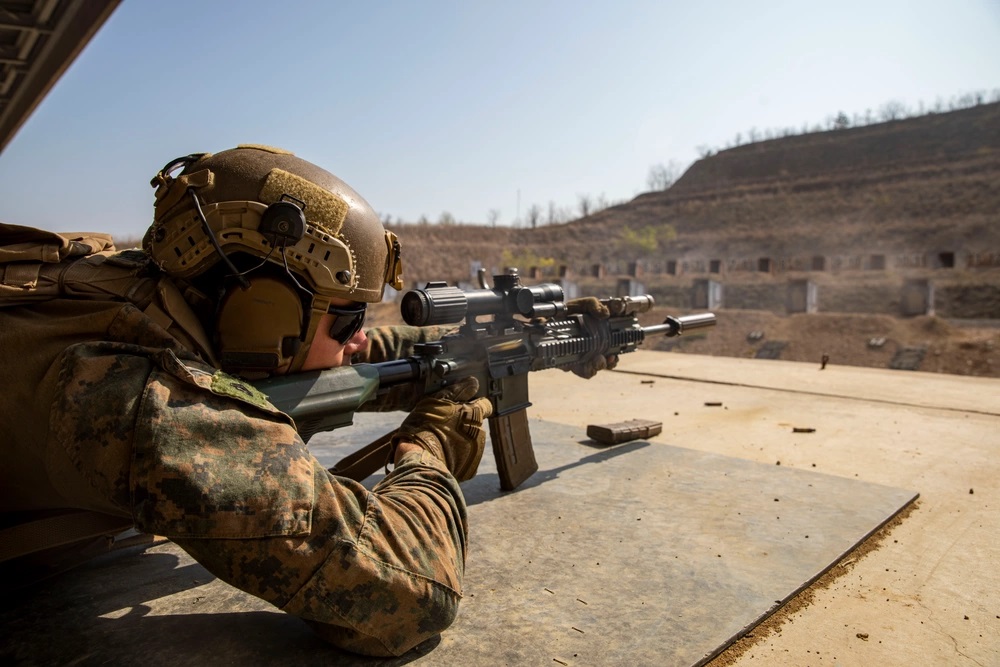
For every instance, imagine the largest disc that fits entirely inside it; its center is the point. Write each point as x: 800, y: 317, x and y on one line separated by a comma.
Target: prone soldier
x: 129, y: 399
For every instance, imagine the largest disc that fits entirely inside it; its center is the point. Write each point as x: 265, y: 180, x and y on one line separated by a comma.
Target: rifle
x: 523, y: 329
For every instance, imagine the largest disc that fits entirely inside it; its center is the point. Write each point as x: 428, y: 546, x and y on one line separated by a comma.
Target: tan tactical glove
x: 593, y: 311
x: 449, y: 425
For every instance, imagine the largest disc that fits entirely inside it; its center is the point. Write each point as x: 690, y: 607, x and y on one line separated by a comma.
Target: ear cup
x: 258, y: 327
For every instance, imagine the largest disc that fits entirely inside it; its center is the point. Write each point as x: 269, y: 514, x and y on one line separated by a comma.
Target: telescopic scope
x: 439, y: 303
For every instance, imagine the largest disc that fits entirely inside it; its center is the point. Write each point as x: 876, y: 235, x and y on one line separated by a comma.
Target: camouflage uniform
x: 111, y: 413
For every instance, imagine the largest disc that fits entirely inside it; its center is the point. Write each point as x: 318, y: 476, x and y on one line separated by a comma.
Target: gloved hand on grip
x: 593, y: 311
x: 449, y: 425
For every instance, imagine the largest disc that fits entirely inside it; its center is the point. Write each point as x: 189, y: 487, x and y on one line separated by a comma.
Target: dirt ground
x: 922, y: 343
x: 921, y: 590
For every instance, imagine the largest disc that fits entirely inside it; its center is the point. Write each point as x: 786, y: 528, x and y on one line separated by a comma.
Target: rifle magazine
x: 512, y: 449
x: 614, y: 434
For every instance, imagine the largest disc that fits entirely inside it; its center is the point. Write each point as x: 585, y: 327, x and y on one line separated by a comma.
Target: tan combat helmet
x: 284, y: 237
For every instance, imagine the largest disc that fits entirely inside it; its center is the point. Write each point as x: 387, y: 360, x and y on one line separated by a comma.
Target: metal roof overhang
x: 39, y: 39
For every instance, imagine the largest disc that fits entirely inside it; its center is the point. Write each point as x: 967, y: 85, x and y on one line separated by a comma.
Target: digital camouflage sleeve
x: 388, y: 343
x: 202, y: 458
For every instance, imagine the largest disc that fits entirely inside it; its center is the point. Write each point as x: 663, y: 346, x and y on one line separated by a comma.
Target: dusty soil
x: 772, y: 624
x: 959, y: 348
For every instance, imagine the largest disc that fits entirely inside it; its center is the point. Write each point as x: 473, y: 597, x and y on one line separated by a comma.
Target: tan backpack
x: 38, y: 265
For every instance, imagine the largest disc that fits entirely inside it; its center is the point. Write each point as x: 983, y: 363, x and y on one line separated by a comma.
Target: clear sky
x: 427, y: 106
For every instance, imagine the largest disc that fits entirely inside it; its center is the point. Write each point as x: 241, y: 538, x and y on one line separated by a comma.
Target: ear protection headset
x: 259, y: 328
x: 260, y: 325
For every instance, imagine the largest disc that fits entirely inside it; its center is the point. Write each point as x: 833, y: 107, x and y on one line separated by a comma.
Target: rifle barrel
x: 675, y: 326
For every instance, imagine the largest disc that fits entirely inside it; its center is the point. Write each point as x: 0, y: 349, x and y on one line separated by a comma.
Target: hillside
x: 861, y: 215
x: 915, y: 186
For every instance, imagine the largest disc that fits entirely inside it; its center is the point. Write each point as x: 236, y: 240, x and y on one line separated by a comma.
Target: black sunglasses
x: 347, y: 323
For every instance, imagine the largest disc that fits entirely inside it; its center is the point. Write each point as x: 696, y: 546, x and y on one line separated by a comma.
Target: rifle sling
x: 367, y: 460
